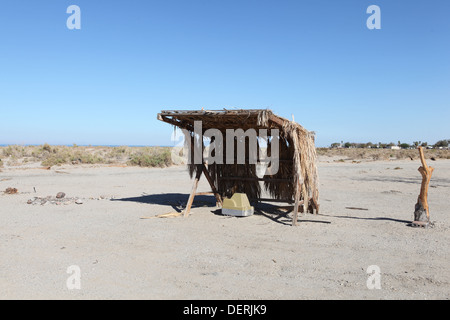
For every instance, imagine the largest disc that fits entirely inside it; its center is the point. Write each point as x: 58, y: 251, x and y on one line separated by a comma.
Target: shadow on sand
x: 274, y: 212
x: 277, y: 213
x: 372, y: 219
x: 176, y: 200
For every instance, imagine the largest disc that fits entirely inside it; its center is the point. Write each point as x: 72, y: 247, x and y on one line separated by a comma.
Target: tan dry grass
x: 382, y: 154
x: 47, y: 155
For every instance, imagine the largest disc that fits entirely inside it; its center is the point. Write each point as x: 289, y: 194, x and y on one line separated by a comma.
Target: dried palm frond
x: 297, y: 170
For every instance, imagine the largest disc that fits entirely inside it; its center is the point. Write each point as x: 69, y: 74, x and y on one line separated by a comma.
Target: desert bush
x: 47, y: 147
x: 145, y: 158
x: 55, y: 160
x: 14, y: 151
x: 380, y: 155
x: 117, y: 153
x: 49, y: 155
x: 8, y: 151
x: 86, y: 157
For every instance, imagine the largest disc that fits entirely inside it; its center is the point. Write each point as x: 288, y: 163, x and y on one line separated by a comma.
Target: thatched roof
x: 225, y: 119
x: 297, y: 166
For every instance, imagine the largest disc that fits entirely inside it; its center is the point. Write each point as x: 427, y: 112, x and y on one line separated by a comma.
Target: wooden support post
x: 201, y: 169
x: 305, y: 197
x: 316, y: 205
x: 194, y: 189
x: 422, y: 201
x: 296, y: 204
x: 213, y: 187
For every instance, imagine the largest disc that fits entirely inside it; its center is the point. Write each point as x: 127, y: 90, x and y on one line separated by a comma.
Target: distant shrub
x: 117, y: 153
x: 13, y: 151
x: 47, y: 147
x: 160, y: 159
x: 86, y: 158
x: 441, y: 143
x: 380, y: 155
x: 405, y: 146
x: 55, y: 160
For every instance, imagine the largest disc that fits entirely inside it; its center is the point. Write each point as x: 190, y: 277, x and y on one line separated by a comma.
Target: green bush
x: 55, y: 160
x: 405, y: 146
x: 441, y: 143
x: 162, y: 159
x: 87, y: 158
x: 117, y: 153
x: 47, y: 147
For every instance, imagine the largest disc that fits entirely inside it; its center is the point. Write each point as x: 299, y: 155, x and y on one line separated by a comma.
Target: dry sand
x: 210, y: 256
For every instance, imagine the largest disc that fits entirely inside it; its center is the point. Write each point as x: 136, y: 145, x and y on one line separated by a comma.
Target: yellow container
x: 237, y: 206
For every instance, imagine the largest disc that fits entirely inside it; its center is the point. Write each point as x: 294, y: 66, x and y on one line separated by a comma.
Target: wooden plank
x: 423, y: 224
x: 245, y: 112
x: 192, y: 196
x: 204, y: 193
x: 275, y: 200
x: 176, y: 123
x: 272, y: 160
x: 255, y: 179
x: 296, y: 204
x: 211, y: 183
x: 276, y: 120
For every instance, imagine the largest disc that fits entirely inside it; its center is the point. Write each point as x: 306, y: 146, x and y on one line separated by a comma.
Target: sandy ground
x: 210, y: 256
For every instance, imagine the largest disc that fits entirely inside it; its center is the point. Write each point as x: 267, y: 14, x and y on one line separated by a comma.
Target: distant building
x: 394, y: 147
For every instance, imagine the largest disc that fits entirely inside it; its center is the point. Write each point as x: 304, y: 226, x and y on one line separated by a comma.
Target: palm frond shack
x: 295, y: 181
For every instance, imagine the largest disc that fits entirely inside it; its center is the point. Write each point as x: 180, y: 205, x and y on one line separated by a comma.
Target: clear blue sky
x: 316, y: 59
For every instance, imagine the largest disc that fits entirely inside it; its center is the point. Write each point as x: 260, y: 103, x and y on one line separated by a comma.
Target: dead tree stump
x: 422, y: 212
